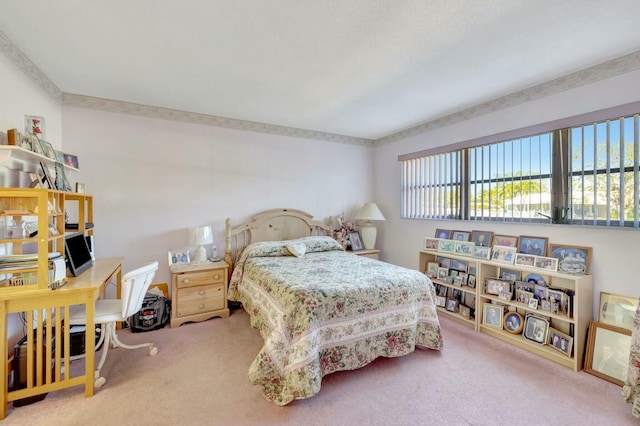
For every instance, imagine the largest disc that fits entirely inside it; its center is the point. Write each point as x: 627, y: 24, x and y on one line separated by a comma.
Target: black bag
x: 153, y: 314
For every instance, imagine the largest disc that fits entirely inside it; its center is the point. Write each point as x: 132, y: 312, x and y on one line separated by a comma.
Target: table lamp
x: 369, y: 212
x: 199, y: 236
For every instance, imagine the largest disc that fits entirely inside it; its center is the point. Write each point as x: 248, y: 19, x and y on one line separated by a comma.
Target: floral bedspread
x: 328, y: 311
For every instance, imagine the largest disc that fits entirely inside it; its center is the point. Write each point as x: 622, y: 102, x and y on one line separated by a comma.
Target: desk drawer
x: 198, y: 278
x: 194, y: 300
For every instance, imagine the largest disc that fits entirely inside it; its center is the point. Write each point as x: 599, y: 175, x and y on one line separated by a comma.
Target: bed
x: 319, y: 308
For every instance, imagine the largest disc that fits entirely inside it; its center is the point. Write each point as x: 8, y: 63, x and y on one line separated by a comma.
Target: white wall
x: 153, y: 179
x: 20, y: 96
x: 614, y: 250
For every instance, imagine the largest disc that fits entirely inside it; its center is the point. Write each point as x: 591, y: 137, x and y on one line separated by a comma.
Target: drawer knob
x: 217, y: 276
x: 201, y: 292
x: 186, y: 280
x: 201, y: 306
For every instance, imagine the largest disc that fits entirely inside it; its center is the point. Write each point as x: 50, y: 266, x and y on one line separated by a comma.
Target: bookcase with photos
x: 543, y: 312
x: 454, y: 278
x: 519, y: 297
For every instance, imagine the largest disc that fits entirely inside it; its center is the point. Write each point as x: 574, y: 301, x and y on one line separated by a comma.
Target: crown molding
x: 28, y: 67
x: 590, y: 75
x: 81, y: 101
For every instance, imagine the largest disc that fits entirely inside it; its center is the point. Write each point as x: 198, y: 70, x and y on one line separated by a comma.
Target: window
x: 571, y: 172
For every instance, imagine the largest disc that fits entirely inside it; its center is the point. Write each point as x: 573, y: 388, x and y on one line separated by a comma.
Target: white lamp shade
x: 200, y: 236
x: 369, y: 211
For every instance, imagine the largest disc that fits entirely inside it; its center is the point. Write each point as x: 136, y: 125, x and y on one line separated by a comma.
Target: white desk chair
x: 108, y: 312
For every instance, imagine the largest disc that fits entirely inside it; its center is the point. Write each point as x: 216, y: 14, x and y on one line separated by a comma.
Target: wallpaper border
x: 615, y: 67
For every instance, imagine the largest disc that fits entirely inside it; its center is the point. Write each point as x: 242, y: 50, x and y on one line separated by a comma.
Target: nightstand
x: 198, y: 292
x: 373, y: 253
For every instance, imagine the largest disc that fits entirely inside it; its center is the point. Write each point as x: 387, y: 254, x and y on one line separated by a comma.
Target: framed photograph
x: 431, y: 243
x: 452, y: 305
x: 493, y: 315
x: 536, y: 329
x: 457, y: 280
x: 443, y: 234
x: 71, y: 160
x: 34, y: 125
x: 355, y: 240
x: 464, y: 311
x: 545, y: 305
x: 505, y: 241
x: 482, y: 238
x: 540, y: 291
x: 446, y: 246
x: 533, y: 303
x: 495, y: 286
x: 549, y: 263
x: 533, y: 245
x: 525, y: 259
x: 441, y: 301
x: 471, y: 280
x: 432, y: 269
x: 181, y: 256
x: 80, y: 188
x: 509, y: 274
x: 618, y: 311
x: 461, y: 235
x: 464, y: 277
x: 482, y: 252
x: 35, y: 144
x: 47, y: 149
x: 47, y: 180
x: 464, y: 248
x: 444, y: 262
x: 458, y: 265
x: 524, y: 285
x: 443, y: 273
x: 560, y: 341
x: 513, y: 322
x: 524, y: 296
x: 535, y: 279
x: 607, y: 354
x: 59, y: 156
x: 571, y: 259
x: 504, y: 254
x: 560, y: 298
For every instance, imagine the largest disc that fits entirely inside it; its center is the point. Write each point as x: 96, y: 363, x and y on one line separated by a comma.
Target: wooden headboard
x: 272, y: 225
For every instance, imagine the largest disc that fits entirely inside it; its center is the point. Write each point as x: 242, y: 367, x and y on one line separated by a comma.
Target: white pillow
x: 297, y: 249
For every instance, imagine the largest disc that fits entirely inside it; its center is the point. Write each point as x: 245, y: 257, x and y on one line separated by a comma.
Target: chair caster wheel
x: 99, y: 382
x: 153, y: 351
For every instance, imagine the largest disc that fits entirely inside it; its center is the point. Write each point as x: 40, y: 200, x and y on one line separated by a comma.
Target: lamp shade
x: 200, y: 235
x: 369, y: 211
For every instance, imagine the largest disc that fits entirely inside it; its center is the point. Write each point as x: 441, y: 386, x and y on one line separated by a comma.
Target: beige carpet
x: 199, y: 377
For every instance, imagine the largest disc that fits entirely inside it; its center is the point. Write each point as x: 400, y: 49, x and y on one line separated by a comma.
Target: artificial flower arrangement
x: 341, y: 234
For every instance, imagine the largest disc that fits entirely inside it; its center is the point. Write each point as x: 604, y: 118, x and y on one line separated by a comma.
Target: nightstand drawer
x: 193, y: 300
x: 198, y: 278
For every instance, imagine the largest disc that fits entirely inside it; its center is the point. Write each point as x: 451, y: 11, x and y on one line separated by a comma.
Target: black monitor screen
x: 77, y: 252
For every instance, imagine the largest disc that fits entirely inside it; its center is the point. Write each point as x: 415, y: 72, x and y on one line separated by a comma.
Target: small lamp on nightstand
x: 369, y: 212
x: 200, y: 236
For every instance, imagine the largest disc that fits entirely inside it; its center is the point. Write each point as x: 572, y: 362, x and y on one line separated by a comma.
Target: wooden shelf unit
x: 576, y: 323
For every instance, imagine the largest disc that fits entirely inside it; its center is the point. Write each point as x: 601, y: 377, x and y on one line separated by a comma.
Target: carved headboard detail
x: 272, y: 225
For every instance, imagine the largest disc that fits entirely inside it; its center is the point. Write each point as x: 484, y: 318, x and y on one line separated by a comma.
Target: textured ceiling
x: 361, y: 68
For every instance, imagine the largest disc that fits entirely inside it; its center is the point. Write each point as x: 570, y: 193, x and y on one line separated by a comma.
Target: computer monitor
x: 77, y: 253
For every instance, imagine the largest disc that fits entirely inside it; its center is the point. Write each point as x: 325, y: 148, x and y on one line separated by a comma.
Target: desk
x: 45, y: 361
